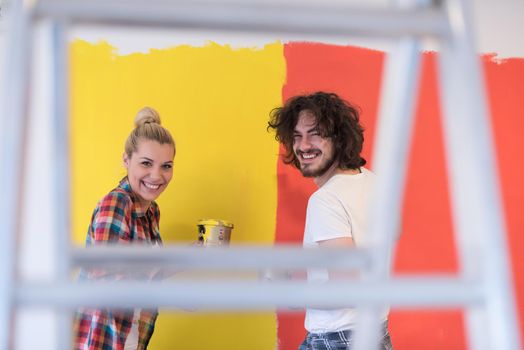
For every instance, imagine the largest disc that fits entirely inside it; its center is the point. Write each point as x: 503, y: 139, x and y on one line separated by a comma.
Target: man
x: 323, y: 138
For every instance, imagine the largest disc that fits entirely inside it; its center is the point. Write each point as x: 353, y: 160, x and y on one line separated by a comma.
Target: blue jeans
x: 338, y: 341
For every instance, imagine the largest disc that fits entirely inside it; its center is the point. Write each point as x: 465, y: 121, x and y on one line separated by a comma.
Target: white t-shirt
x: 132, y: 337
x: 337, y: 209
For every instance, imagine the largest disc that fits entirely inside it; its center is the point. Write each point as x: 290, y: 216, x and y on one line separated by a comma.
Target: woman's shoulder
x: 118, y: 198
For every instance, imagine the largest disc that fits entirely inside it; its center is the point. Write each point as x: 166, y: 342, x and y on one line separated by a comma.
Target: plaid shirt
x: 118, y: 218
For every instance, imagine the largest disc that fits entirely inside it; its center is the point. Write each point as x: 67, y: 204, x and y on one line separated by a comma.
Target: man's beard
x: 317, y: 172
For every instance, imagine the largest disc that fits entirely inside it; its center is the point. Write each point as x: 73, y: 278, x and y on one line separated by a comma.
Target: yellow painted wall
x: 216, y: 101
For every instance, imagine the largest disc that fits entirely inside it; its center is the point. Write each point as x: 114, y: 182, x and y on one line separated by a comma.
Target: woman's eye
x: 148, y: 164
x: 167, y: 166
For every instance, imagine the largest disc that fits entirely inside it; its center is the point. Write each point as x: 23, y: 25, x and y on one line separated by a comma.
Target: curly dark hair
x: 336, y: 119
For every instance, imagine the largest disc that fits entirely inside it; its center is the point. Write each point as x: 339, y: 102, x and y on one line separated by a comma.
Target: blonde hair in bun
x: 147, y: 126
x: 147, y: 115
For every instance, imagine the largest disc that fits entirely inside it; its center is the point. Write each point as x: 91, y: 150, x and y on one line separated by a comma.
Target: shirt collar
x: 138, y: 208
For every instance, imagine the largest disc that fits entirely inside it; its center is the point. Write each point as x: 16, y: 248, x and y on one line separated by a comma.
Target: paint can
x: 213, y: 232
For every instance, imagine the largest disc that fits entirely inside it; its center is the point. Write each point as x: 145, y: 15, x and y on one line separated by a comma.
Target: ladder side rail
x: 61, y: 146
x: 393, y: 136
x: 476, y: 322
x: 61, y: 183
x: 38, y: 221
x: 396, y: 114
x: 475, y: 195
x: 468, y: 254
x: 12, y: 155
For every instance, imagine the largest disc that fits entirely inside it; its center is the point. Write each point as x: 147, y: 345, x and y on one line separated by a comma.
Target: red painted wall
x: 426, y: 245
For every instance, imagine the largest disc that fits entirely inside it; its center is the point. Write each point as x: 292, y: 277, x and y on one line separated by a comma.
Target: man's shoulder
x: 341, y: 186
x: 324, y: 196
x: 340, y: 181
x: 367, y: 172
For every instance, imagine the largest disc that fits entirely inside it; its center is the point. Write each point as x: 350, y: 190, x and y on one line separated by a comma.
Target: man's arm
x: 342, y: 242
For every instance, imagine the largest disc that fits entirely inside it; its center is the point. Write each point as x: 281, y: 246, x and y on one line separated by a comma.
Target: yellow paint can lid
x: 215, y: 222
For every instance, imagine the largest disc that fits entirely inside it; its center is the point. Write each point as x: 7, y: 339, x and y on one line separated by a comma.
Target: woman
x: 129, y: 214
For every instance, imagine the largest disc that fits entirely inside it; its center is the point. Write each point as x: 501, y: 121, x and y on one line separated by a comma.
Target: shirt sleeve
x: 326, y: 218
x: 106, y: 328
x: 111, y: 222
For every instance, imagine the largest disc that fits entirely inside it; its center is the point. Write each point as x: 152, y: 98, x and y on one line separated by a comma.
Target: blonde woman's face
x: 149, y: 169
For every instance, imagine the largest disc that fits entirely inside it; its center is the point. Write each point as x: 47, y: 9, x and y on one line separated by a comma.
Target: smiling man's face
x: 314, y: 152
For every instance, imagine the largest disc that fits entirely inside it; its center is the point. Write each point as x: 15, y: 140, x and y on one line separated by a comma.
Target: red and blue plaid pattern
x: 118, y: 218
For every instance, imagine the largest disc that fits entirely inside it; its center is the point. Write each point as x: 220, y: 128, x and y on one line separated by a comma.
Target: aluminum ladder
x: 483, y: 287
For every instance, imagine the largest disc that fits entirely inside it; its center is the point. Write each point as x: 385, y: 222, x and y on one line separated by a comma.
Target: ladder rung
x: 254, y: 17
x: 233, y: 257
x: 404, y: 293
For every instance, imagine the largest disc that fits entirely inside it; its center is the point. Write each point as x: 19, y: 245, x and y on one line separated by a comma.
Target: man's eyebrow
x: 314, y: 129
